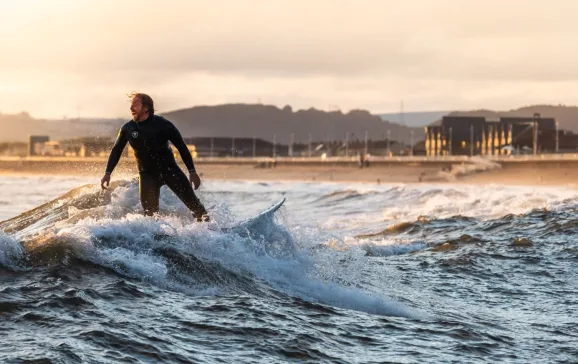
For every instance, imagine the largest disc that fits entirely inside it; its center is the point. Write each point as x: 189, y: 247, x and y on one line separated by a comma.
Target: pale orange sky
x: 60, y: 57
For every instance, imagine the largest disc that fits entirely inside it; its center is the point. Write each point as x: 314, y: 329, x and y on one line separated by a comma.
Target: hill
x: 414, y: 119
x: 264, y: 121
x: 17, y: 127
x: 230, y: 120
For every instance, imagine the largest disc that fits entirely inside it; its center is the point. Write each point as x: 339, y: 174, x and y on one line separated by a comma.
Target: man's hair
x: 146, y: 101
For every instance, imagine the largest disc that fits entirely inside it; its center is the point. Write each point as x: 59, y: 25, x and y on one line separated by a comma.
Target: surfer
x: 149, y: 135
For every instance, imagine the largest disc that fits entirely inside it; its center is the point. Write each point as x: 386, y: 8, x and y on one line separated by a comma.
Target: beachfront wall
x: 247, y: 147
x: 468, y: 135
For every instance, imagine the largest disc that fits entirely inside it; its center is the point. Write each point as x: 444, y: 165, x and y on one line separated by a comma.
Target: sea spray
x: 10, y: 251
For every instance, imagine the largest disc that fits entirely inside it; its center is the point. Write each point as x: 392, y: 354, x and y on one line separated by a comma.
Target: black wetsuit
x: 156, y: 163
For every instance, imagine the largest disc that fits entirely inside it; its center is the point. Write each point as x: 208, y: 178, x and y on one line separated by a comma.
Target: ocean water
x: 342, y: 273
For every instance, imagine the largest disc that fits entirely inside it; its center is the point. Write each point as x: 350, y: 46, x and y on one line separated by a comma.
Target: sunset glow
x: 64, y: 57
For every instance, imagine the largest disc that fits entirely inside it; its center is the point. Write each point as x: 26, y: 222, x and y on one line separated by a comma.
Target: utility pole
x: 365, y: 149
x: 347, y: 144
x: 535, y: 139
x: 450, y: 146
x: 490, y: 140
x: 291, y: 145
x: 471, y: 140
x: 557, y: 142
x: 388, y: 151
x: 536, y: 119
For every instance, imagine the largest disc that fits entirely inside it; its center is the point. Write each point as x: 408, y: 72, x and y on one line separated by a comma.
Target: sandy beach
x: 480, y: 172
x: 519, y: 174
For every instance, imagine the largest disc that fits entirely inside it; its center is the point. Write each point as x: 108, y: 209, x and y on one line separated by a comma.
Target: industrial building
x: 36, y: 144
x: 473, y: 135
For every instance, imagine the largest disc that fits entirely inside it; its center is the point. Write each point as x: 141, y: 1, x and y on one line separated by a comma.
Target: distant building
x: 52, y: 148
x: 467, y: 135
x: 14, y: 149
x: 95, y: 148
x: 36, y: 144
x: 192, y: 149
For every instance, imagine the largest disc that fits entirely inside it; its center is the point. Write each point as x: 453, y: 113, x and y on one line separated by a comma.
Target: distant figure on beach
x: 149, y: 135
x: 363, y: 160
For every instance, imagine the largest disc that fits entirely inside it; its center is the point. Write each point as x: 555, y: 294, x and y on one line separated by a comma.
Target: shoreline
x: 560, y: 173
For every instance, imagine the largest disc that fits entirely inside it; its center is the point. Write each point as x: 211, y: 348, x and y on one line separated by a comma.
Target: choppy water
x: 343, y: 273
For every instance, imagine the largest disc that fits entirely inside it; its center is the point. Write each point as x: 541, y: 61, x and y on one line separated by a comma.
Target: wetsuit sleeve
x: 175, y: 137
x: 116, y: 151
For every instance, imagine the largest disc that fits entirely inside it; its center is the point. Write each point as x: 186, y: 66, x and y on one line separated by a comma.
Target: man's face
x: 139, y: 113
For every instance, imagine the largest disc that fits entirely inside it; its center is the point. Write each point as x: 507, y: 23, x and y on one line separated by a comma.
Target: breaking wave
x: 257, y: 256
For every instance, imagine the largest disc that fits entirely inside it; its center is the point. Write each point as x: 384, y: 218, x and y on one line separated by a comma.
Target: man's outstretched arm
x: 114, y: 156
x: 177, y: 140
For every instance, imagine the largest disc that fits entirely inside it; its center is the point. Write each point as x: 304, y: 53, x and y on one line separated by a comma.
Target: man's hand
x: 104, y: 179
x: 195, y: 179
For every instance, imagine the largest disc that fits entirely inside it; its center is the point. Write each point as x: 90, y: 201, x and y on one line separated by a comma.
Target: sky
x: 82, y: 57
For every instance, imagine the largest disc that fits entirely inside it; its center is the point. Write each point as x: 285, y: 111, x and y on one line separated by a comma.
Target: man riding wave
x: 149, y: 136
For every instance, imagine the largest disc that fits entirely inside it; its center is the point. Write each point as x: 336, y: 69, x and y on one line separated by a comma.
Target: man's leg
x: 149, y: 192
x: 181, y: 186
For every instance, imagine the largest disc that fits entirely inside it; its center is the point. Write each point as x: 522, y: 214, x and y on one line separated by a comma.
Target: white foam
x: 385, y: 248
x: 290, y: 257
x: 475, y: 165
x: 126, y: 244
x: 482, y: 202
x: 10, y: 251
